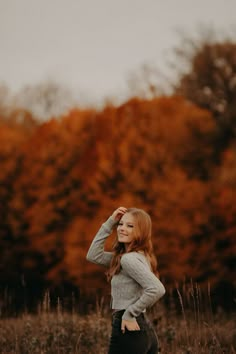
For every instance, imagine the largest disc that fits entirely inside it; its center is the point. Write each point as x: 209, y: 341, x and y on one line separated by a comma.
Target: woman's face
x: 125, y: 228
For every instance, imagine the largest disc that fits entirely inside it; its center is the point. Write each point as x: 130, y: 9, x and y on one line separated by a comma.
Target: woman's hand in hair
x: 118, y: 213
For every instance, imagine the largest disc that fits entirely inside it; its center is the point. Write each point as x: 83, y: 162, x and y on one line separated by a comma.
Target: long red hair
x: 142, y: 242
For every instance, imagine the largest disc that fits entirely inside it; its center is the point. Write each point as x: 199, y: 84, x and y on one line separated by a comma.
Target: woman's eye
x: 128, y: 225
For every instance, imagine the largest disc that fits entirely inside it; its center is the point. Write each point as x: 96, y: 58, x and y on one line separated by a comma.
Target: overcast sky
x: 92, y: 46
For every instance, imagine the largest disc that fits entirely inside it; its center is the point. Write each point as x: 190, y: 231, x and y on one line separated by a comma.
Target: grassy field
x: 181, y: 330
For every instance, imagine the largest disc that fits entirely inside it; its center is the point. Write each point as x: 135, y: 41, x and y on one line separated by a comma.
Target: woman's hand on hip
x: 130, y: 325
x: 118, y: 213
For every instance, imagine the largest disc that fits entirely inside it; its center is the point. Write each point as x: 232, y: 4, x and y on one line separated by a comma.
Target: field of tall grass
x: 185, y: 324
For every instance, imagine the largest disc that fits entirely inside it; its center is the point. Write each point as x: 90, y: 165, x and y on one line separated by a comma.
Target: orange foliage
x: 13, y: 136
x: 224, y: 210
x: 157, y: 155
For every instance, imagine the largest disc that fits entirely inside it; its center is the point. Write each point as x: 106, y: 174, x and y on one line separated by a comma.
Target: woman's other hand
x: 118, y: 213
x: 130, y: 325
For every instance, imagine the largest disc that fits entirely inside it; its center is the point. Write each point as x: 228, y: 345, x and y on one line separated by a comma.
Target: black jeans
x: 133, y: 342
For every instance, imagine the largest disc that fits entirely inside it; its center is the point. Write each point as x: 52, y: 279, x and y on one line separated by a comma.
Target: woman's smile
x: 125, y: 228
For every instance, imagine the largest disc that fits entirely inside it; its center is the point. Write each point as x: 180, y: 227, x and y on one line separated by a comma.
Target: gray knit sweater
x: 136, y: 287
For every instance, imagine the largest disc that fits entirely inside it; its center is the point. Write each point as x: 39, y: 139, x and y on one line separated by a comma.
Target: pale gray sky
x: 93, y: 45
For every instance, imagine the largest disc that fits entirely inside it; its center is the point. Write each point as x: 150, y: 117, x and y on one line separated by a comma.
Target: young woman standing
x: 134, y: 284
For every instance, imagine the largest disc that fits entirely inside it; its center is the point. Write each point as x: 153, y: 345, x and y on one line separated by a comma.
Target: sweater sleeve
x: 153, y: 289
x: 96, y: 253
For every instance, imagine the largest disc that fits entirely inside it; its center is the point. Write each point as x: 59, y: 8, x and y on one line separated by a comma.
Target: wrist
x: 110, y: 223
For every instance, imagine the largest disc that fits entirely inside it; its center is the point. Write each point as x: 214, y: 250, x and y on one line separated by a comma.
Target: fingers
x: 123, y: 326
x: 130, y: 326
x: 134, y: 327
x: 118, y: 213
x: 121, y: 210
x: 130, y: 329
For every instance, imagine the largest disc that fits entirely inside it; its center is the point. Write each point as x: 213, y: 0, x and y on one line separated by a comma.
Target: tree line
x: 171, y: 155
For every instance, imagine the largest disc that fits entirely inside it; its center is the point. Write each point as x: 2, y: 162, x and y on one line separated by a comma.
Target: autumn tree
x: 158, y: 155
x: 223, y: 224
x: 14, y: 245
x: 49, y: 193
x: 211, y: 82
x: 155, y: 154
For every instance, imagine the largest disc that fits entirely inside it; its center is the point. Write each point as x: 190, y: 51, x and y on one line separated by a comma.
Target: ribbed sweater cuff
x: 128, y: 317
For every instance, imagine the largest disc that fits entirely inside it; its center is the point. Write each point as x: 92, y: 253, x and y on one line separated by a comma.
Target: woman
x: 134, y: 285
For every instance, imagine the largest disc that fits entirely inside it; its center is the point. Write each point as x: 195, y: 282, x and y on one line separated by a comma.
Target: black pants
x: 132, y: 342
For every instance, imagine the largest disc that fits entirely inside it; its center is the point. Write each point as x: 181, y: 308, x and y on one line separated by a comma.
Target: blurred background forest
x: 172, y: 154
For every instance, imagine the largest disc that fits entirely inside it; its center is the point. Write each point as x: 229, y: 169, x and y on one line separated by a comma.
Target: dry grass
x: 181, y: 328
